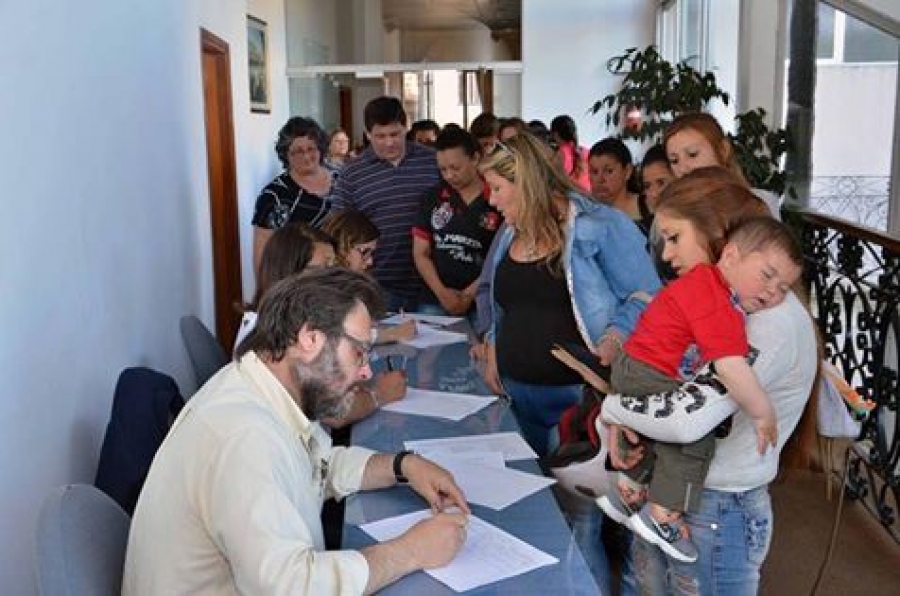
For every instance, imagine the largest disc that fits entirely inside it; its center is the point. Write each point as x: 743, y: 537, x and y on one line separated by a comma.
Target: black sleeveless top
x: 537, y: 313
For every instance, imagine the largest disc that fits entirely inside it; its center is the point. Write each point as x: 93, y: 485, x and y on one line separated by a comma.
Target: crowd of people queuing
x: 672, y: 271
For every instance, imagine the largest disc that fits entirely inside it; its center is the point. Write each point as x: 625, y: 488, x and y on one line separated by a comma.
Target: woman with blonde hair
x: 567, y: 270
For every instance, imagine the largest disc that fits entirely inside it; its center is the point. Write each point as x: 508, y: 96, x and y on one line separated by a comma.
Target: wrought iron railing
x: 853, y: 277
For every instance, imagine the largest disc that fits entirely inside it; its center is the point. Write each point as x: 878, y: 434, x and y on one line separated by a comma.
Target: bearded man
x: 232, y: 501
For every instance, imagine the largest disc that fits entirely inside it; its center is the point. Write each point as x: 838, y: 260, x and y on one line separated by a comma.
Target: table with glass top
x: 535, y: 519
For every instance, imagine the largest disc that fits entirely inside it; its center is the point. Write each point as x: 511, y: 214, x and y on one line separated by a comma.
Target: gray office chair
x: 204, y: 350
x: 81, y: 540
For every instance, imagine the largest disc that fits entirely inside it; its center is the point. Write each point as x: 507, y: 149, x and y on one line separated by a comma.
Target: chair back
x: 81, y: 540
x: 145, y: 404
x: 206, y: 353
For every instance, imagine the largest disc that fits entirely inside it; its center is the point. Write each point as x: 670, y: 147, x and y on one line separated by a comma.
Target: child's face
x: 761, y: 279
x: 683, y: 246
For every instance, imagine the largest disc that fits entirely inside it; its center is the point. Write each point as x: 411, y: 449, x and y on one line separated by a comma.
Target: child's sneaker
x: 616, y: 509
x: 666, y: 535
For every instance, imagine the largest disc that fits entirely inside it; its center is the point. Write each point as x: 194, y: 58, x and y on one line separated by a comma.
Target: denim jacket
x: 609, y: 274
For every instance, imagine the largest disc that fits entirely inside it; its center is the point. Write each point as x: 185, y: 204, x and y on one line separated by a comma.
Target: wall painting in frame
x: 258, y: 63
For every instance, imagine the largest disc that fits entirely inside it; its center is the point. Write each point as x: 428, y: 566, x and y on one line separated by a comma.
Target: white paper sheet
x: 510, y: 444
x: 439, y: 320
x: 439, y: 404
x: 429, y: 336
x: 493, y: 487
x: 488, y: 555
x: 488, y: 459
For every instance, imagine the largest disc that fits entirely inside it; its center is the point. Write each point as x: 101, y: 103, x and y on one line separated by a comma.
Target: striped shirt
x: 391, y: 196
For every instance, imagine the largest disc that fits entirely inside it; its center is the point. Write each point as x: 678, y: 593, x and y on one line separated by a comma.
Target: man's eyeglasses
x: 363, y: 349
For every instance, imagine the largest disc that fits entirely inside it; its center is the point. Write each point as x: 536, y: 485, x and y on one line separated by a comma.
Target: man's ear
x: 309, y: 341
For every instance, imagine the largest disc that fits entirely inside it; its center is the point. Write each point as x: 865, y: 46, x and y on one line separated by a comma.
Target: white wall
x: 105, y: 242
x: 565, y: 47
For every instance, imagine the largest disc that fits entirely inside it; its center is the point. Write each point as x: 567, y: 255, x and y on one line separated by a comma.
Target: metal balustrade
x: 852, y: 274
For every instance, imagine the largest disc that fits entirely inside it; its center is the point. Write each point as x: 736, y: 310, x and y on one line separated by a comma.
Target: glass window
x: 825, y: 29
x: 864, y: 43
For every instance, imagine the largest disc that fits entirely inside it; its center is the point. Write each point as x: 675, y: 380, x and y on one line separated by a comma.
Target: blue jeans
x: 586, y: 520
x: 732, y: 532
x: 539, y: 407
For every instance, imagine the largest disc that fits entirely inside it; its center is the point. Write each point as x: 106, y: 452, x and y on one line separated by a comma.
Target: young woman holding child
x: 724, y: 273
x: 731, y: 529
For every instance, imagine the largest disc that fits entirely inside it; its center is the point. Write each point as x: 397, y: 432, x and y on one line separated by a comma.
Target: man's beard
x: 323, y: 386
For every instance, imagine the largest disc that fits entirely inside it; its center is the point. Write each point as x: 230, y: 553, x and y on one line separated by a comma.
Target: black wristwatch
x: 398, y: 463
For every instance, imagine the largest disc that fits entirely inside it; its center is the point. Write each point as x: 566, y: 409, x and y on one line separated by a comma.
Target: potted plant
x: 661, y: 91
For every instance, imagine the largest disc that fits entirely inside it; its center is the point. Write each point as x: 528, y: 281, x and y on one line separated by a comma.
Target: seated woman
x: 355, y: 238
x: 455, y: 228
x: 613, y: 182
x: 302, y: 193
x: 291, y: 250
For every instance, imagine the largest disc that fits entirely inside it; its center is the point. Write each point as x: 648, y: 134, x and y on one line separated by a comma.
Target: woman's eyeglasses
x: 365, y: 252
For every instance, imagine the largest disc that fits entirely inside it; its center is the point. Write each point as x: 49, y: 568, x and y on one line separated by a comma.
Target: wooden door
x: 223, y: 208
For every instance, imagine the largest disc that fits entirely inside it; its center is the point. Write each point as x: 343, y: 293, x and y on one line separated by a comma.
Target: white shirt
x: 785, y: 365
x: 232, y: 501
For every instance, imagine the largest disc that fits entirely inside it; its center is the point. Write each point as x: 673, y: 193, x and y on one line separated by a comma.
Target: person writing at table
x: 231, y: 503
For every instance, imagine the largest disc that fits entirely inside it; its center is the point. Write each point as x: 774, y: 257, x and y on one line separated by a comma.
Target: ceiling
x: 496, y: 15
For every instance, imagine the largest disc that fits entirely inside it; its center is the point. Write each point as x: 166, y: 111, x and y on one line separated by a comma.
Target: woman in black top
x: 302, y: 193
x: 613, y: 181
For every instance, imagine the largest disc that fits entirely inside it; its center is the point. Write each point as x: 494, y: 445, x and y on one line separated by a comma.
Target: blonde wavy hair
x: 540, y: 182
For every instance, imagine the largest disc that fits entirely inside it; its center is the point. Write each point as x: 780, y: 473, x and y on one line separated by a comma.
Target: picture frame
x: 258, y: 65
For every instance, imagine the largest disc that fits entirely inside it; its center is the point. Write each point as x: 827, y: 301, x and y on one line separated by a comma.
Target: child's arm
x: 744, y: 388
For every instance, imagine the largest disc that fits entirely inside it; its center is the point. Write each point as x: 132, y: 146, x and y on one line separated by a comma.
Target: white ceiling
x: 496, y: 15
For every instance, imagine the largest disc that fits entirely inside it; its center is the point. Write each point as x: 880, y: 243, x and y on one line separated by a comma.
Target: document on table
x: 439, y: 320
x: 488, y: 555
x: 493, y: 487
x: 439, y: 404
x: 429, y: 336
x: 510, y: 444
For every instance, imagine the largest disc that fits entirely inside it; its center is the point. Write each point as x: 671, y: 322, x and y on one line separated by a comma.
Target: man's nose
x: 365, y: 372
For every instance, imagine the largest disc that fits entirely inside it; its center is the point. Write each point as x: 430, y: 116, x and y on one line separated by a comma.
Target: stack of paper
x: 439, y: 404
x: 429, y: 336
x: 437, y: 320
x: 488, y: 484
x: 510, y: 444
x: 488, y: 555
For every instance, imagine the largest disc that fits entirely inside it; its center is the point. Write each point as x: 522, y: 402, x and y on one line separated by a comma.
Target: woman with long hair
x: 566, y: 270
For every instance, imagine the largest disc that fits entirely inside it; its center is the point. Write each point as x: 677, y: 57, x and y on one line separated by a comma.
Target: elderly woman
x: 567, y: 270
x: 302, y: 193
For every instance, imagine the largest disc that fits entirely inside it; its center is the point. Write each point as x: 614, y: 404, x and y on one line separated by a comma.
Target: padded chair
x: 144, y: 406
x: 204, y: 350
x: 81, y: 539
